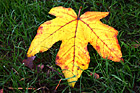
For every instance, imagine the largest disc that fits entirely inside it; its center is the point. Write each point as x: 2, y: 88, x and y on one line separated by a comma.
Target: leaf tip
x: 72, y: 84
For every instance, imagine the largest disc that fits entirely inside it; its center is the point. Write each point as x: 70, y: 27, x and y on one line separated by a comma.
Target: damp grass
x: 19, y: 20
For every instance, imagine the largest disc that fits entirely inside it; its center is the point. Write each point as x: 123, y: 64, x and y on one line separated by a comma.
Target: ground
x: 19, y: 20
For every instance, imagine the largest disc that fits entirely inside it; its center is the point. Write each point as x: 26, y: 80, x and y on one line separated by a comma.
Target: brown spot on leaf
x: 40, y: 28
x: 57, y: 57
x: 39, y: 31
x: 88, y: 61
x: 66, y: 67
x: 78, y: 68
x: 48, y: 22
x: 85, y: 48
x: 98, y: 47
x: 117, y: 42
x: 91, y: 19
x: 83, y: 64
x: 115, y: 36
x: 106, y: 35
x: 68, y: 57
x: 59, y: 61
x: 41, y: 51
x: 69, y: 9
x: 83, y: 55
x: 118, y: 46
x: 77, y: 62
x: 112, y: 49
x: 104, y: 56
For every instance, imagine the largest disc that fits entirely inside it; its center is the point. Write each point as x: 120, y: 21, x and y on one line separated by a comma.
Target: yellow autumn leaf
x: 76, y: 32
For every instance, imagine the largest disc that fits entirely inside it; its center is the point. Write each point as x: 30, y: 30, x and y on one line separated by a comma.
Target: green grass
x: 19, y: 20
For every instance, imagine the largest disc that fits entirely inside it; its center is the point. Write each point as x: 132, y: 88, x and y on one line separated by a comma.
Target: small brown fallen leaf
x: 29, y: 62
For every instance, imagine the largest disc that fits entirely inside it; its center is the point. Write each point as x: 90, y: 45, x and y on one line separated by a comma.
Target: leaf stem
x: 79, y: 12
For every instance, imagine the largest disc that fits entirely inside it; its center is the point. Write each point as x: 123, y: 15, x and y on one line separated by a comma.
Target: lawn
x: 19, y: 21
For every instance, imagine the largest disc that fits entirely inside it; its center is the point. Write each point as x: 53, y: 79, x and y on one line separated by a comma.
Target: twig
x: 21, y: 88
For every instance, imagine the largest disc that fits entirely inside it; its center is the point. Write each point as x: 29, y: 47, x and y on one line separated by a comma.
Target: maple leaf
x: 76, y: 32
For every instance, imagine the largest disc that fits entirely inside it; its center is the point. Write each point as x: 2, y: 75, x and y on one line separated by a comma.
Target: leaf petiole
x: 79, y: 12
